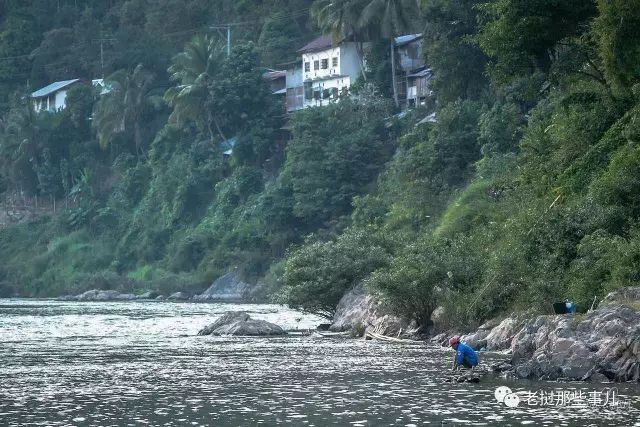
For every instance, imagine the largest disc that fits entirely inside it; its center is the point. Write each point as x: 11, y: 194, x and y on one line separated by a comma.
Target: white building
x: 328, y: 70
x: 52, y: 97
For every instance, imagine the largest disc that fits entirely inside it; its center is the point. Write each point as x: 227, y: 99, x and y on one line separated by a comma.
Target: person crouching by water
x: 465, y: 356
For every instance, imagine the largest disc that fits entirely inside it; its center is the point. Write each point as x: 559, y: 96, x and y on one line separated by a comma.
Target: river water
x: 141, y: 363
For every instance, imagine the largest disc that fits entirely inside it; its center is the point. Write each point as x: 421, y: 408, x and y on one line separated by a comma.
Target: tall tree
x: 124, y: 107
x: 341, y: 19
x: 338, y: 17
x: 391, y: 17
x: 193, y: 69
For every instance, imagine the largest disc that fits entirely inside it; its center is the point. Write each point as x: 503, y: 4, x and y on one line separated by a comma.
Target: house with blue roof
x: 52, y: 97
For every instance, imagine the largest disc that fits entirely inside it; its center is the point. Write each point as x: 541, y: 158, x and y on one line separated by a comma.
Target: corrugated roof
x: 53, y: 87
x: 229, y: 144
x: 274, y: 74
x: 407, y: 38
x: 321, y: 43
x: 422, y: 73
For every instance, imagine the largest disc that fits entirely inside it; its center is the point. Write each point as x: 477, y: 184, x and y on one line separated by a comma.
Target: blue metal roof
x: 406, y: 39
x: 53, y: 87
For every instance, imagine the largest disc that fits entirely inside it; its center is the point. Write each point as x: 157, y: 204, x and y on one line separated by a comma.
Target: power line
x: 295, y: 14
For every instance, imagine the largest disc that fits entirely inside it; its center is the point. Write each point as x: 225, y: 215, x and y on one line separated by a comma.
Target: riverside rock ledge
x: 601, y: 345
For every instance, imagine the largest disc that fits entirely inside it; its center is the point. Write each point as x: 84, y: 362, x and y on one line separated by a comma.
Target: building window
x: 316, y: 94
x: 307, y: 67
x: 308, y: 90
x: 325, y: 94
x: 325, y: 64
x: 316, y: 65
x: 334, y: 92
x: 334, y: 61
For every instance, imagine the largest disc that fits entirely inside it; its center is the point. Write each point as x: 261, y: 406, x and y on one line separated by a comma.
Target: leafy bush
x: 317, y: 274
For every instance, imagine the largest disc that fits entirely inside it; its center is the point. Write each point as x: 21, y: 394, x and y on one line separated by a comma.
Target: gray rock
x: 358, y: 310
x: 147, y: 295
x: 441, y: 339
x: 439, y: 316
x: 523, y: 371
x: 226, y: 288
x: 502, y: 334
x: 604, y: 342
x: 241, y: 324
x: 160, y: 297
x: 178, y: 296
x: 101, y: 295
x: 250, y: 327
x: 225, y: 319
x: 502, y: 367
x: 476, y: 340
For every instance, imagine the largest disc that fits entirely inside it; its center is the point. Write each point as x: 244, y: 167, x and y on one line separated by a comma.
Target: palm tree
x: 366, y: 18
x: 193, y: 70
x: 341, y: 19
x: 124, y: 106
x: 391, y: 17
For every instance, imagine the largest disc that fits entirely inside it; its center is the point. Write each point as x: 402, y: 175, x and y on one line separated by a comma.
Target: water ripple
x: 68, y: 363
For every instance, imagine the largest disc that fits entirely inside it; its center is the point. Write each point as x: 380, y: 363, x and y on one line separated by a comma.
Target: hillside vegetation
x: 524, y: 190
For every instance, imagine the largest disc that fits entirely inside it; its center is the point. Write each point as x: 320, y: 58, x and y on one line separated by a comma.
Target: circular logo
x: 501, y: 392
x: 512, y: 400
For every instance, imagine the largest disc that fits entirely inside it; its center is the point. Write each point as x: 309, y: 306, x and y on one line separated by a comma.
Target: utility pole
x: 226, y: 27
x: 102, y: 41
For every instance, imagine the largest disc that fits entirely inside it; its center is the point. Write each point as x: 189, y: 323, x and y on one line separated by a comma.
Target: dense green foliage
x: 522, y: 191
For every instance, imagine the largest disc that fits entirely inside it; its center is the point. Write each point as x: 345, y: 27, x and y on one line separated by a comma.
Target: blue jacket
x: 463, y: 351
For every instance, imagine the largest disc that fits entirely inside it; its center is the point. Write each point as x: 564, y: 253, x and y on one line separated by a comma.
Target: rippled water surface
x: 141, y: 363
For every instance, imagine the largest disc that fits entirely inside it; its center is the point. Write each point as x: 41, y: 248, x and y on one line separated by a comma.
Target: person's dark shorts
x: 466, y: 364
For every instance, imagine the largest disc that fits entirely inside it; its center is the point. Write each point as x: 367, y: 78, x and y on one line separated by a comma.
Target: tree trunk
x: 393, y: 72
x: 360, y: 53
x: 215, y: 122
x: 138, y: 138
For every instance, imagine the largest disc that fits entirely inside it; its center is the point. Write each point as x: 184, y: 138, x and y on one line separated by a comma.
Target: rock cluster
x: 602, y: 343
x: 226, y: 288
x: 494, y: 335
x: 178, y: 296
x: 358, y: 311
x: 100, y: 295
x: 241, y: 324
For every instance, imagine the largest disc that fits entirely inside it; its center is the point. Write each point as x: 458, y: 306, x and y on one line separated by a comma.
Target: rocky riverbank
x: 228, y: 288
x: 601, y: 345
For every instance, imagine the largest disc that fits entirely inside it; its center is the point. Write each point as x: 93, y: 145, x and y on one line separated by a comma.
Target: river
x: 141, y: 363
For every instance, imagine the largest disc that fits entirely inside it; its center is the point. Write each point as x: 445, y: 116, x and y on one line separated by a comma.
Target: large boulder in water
x: 241, y: 324
x: 226, y: 288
